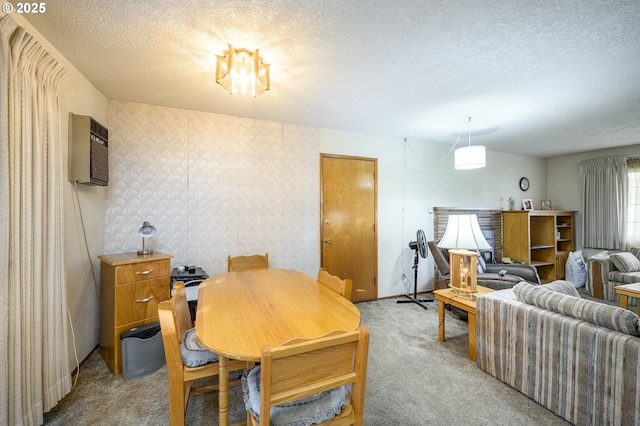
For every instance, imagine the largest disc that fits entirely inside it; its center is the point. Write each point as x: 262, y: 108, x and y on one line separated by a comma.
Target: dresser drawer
x: 137, y: 301
x: 142, y: 271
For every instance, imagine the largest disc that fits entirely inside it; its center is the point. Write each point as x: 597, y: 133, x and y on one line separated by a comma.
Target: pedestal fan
x: 420, y: 247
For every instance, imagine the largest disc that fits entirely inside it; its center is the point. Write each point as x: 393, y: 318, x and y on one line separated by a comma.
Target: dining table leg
x: 223, y: 393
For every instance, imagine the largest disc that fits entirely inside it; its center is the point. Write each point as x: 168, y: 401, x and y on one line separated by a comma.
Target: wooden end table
x: 465, y: 303
x: 624, y: 291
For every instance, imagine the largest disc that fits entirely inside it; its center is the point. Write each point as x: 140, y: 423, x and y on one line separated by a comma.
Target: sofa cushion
x: 611, y: 317
x: 625, y: 262
x: 624, y: 277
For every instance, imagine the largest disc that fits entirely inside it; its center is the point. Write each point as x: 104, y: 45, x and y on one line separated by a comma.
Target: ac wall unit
x: 88, y: 151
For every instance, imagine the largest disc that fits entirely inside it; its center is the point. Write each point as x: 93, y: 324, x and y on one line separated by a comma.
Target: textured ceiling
x: 541, y: 78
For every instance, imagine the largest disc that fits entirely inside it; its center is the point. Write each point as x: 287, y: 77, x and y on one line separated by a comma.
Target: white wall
x: 413, y: 177
x: 79, y: 96
x: 564, y: 186
x: 213, y: 185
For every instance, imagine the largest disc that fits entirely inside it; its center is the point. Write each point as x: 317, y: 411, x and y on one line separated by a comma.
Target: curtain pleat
x: 604, y: 202
x: 34, y: 341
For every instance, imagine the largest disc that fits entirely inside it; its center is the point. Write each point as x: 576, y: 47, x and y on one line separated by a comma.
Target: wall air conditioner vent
x: 88, y: 151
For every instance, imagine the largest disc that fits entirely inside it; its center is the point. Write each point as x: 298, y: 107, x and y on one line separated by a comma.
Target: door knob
x: 328, y: 241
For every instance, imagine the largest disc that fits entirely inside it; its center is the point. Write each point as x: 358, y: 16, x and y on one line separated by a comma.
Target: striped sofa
x: 605, y: 271
x: 578, y: 358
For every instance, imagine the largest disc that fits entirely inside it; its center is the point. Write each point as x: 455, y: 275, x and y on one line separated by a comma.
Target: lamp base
x: 144, y: 252
x: 463, y: 293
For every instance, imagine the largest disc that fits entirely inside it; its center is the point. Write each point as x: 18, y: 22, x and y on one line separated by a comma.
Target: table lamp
x: 462, y: 235
x: 146, y: 231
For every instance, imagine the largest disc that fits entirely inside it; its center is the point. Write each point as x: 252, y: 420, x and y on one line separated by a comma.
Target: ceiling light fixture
x: 470, y: 157
x: 241, y: 71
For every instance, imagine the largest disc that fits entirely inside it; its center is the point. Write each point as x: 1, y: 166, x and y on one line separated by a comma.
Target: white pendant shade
x: 470, y: 157
x: 463, y: 232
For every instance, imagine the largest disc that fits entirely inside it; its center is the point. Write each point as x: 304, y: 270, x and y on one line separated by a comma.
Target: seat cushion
x: 192, y: 351
x: 305, y: 411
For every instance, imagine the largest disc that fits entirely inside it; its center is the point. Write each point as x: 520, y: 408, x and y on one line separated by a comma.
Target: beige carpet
x: 413, y: 379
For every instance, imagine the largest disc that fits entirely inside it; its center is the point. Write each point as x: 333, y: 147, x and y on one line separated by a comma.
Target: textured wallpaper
x: 213, y: 185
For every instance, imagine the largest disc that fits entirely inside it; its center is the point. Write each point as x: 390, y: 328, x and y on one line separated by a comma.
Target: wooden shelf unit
x: 131, y: 286
x: 542, y: 238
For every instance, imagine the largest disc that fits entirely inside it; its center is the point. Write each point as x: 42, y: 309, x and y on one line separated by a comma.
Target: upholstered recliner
x: 491, y: 277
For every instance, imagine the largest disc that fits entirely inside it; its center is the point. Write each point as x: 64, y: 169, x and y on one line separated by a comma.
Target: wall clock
x: 524, y: 184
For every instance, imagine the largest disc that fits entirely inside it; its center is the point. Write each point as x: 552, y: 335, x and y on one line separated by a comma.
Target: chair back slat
x: 180, y: 307
x: 241, y: 263
x: 304, y: 368
x: 342, y: 287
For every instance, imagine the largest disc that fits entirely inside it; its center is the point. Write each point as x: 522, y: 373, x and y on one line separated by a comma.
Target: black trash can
x: 142, y: 351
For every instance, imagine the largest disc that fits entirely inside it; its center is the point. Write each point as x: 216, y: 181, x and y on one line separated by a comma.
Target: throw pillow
x: 625, y: 262
x: 635, y: 251
x: 611, y: 317
x: 561, y: 286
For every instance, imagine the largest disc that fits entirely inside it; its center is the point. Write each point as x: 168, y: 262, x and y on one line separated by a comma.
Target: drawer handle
x: 144, y: 272
x: 145, y: 300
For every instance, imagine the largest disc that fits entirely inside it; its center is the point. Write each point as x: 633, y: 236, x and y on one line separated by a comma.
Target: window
x: 633, y: 204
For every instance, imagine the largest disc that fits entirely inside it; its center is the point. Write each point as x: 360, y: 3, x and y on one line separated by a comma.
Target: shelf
x: 541, y: 238
x: 538, y: 263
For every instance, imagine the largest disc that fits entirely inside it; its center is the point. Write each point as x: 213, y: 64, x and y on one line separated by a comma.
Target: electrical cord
x: 84, y: 233
x: 75, y: 351
x: 95, y: 282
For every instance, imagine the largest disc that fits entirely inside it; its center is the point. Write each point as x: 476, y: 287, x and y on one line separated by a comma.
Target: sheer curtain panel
x: 604, y: 202
x: 34, y: 348
x: 633, y: 210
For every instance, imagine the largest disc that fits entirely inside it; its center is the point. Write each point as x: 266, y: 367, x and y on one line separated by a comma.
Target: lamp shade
x: 147, y: 230
x: 463, y: 232
x: 470, y: 157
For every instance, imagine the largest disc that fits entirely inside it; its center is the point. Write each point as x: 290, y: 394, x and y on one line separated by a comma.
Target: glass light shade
x: 470, y: 157
x: 463, y: 232
x: 241, y: 71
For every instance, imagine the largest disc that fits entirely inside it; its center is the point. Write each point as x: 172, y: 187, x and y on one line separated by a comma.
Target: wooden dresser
x: 131, y: 286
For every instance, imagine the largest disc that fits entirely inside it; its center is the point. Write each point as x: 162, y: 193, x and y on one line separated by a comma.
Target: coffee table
x: 624, y: 291
x: 465, y: 303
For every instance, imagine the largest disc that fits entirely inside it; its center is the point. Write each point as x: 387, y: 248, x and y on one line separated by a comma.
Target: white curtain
x: 34, y: 366
x: 604, y: 202
x: 633, y: 210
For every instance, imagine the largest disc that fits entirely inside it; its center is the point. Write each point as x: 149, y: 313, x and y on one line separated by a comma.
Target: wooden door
x: 349, y: 243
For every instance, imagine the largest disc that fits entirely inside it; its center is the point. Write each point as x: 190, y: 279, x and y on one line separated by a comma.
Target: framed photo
x: 527, y: 204
x: 545, y: 205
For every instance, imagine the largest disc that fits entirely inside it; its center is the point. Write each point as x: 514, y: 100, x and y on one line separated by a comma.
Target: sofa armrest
x: 598, y: 275
x: 527, y: 272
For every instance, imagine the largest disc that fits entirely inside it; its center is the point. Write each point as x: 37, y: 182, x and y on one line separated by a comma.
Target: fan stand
x: 415, y: 299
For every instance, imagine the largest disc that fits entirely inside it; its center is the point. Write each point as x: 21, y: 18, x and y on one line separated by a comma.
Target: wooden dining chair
x: 186, y: 359
x: 342, y: 287
x: 309, y: 379
x: 241, y: 263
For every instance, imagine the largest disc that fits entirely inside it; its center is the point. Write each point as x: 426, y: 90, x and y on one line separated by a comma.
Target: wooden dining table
x: 240, y: 312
